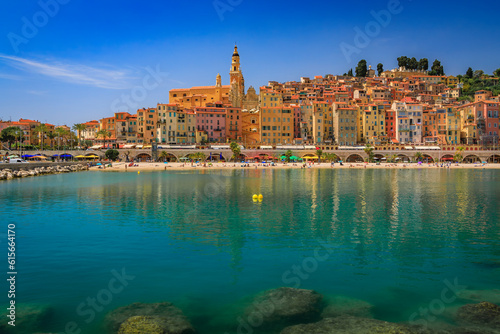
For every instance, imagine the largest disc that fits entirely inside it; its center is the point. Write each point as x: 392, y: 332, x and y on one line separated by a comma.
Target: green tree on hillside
x: 403, y: 61
x: 469, y: 73
x: 361, y: 69
x: 350, y: 73
x: 413, y: 64
x: 437, y: 68
x: 423, y: 64
x: 478, y: 74
x: 380, y: 68
x: 497, y: 73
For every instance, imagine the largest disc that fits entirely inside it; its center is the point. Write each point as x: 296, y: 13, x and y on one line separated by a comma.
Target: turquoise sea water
x: 198, y: 240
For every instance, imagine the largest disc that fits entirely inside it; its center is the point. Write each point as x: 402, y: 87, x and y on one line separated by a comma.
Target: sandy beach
x: 160, y: 166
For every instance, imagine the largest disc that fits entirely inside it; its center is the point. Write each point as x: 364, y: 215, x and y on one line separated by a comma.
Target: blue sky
x: 85, y: 59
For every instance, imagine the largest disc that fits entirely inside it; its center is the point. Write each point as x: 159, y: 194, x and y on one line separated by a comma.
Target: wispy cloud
x: 73, y: 73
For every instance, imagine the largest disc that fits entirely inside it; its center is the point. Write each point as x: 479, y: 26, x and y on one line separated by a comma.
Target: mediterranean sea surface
x: 88, y: 243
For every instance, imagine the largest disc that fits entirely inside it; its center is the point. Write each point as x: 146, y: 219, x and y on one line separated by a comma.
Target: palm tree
x: 41, y: 129
x: 200, y: 156
x: 319, y: 153
x: 163, y: 155
x: 51, y: 136
x: 104, y: 134
x: 60, y: 134
x: 79, y: 128
x: 11, y: 135
x: 419, y: 156
x: 458, y: 155
x: 236, y: 150
x: 369, y: 150
x: 331, y: 157
x: 127, y: 155
x: 391, y: 158
x: 288, y: 154
x: 72, y: 138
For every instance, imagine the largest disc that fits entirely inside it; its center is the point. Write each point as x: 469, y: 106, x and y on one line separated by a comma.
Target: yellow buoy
x: 255, y: 197
x: 139, y: 172
x: 261, y: 197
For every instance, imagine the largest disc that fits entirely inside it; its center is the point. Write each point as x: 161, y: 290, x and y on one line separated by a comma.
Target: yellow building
x: 345, y: 125
x: 250, y: 130
x: 453, y: 129
x: 322, y: 122
x: 200, y: 96
x: 233, y: 94
x: 451, y: 80
x: 276, y: 120
x: 146, y: 125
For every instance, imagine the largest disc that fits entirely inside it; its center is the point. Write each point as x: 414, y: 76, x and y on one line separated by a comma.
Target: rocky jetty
x: 8, y: 174
x: 148, y: 318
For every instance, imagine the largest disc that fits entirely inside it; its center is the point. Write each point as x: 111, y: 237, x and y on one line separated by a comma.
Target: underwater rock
x: 282, y: 307
x: 342, y: 305
x: 29, y: 318
x: 482, y: 314
x: 144, y: 324
x: 171, y: 317
x: 349, y: 325
x: 492, y: 296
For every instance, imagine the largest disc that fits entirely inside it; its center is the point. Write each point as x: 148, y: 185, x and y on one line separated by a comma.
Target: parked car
x: 18, y: 161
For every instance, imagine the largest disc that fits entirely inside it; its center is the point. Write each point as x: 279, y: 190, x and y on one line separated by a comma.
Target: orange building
x: 146, y: 125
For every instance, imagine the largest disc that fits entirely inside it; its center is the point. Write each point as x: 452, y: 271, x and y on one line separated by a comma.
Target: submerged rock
x: 349, y: 325
x: 144, y: 324
x: 282, y: 307
x: 482, y: 314
x: 341, y: 305
x: 29, y: 319
x: 165, y: 314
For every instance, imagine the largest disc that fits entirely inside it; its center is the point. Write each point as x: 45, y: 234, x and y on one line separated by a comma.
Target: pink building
x: 489, y: 111
x: 212, y: 121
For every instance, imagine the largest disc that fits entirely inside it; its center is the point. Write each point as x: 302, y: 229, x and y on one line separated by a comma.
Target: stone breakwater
x: 11, y: 173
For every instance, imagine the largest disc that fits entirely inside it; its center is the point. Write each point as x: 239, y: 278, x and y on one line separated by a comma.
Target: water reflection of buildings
x: 373, y: 211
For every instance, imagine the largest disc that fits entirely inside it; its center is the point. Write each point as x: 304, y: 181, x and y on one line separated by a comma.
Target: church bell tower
x: 236, y: 80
